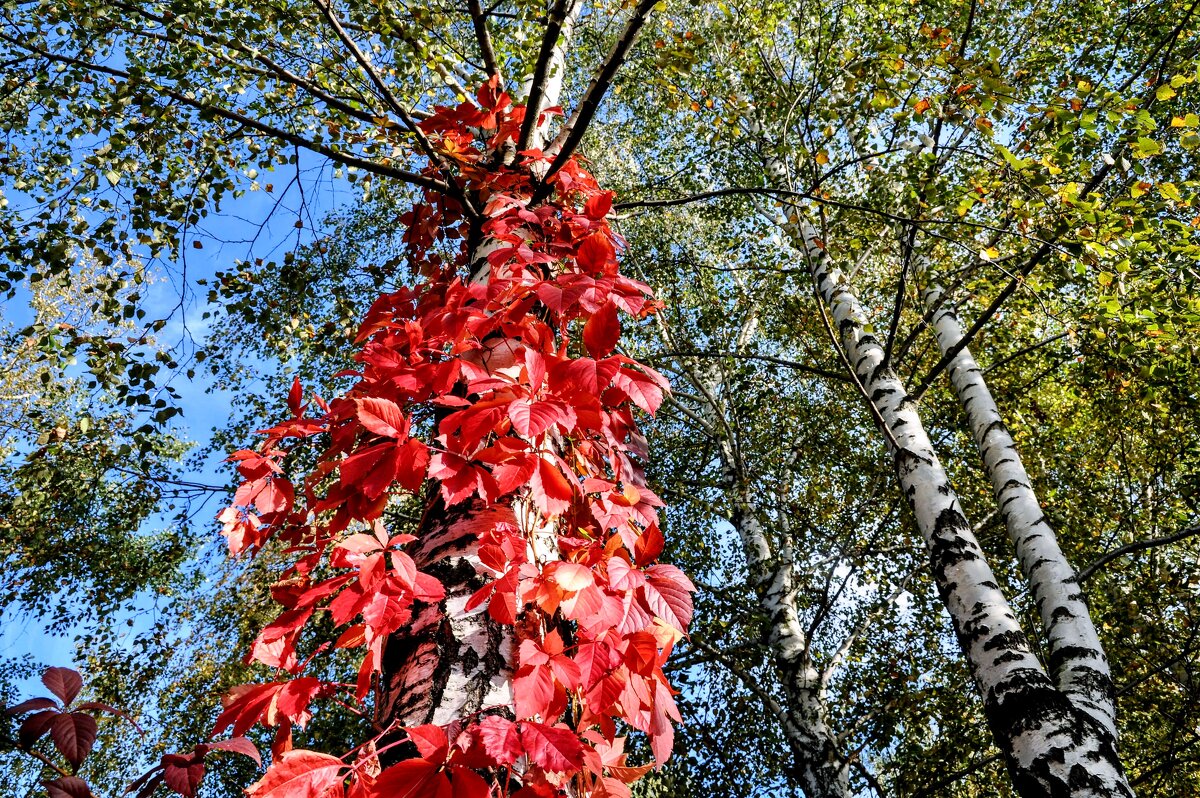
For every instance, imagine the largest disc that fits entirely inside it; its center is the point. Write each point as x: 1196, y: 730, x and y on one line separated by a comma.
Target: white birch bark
x: 450, y: 663
x: 1050, y: 747
x: 818, y: 765
x: 1077, y: 659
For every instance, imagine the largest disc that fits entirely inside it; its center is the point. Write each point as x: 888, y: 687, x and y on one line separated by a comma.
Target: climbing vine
x: 493, y: 392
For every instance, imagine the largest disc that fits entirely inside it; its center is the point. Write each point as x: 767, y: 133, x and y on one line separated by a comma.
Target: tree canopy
x: 923, y: 280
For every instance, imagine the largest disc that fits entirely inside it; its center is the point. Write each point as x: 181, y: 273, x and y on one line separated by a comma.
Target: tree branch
x: 1088, y: 570
x: 1025, y: 351
x: 569, y: 137
x: 779, y: 361
x: 479, y: 21
x: 291, y: 138
x: 533, y: 103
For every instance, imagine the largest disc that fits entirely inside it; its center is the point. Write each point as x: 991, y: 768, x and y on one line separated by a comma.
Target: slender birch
x: 818, y: 765
x: 1077, y: 660
x: 1051, y: 747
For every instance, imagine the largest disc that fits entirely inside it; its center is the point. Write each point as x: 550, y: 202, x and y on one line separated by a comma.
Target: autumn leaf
x: 553, y: 748
x: 301, y: 774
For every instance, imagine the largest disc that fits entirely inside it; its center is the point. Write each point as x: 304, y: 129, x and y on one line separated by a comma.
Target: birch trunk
x: 1076, y: 660
x: 448, y: 663
x: 818, y: 765
x: 1051, y: 748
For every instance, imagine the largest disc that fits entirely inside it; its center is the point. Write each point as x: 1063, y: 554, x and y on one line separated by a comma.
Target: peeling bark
x: 1052, y: 749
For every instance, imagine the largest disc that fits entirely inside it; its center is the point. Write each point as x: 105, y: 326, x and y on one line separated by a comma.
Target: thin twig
x: 791, y: 364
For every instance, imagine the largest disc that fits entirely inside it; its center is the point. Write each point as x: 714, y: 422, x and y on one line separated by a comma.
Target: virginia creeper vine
x: 497, y: 385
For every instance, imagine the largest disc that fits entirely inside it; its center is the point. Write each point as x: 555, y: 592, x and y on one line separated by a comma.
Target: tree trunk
x: 1077, y: 659
x: 1052, y: 749
x: 448, y: 664
x: 817, y: 764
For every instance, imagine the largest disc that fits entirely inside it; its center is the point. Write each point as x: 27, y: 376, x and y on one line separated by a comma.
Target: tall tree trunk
x: 1051, y: 748
x: 448, y: 664
x: 817, y: 763
x: 1077, y: 660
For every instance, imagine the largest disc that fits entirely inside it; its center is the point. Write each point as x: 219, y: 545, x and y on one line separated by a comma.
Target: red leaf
x: 531, y: 418
x: 596, y: 253
x: 644, y: 391
x: 244, y: 705
x: 63, y: 682
x: 291, y: 703
x: 669, y: 595
x: 412, y: 464
x: 552, y: 492
x: 412, y: 778
x: 301, y: 774
x: 533, y: 692
x: 572, y: 576
x: 648, y: 545
x: 35, y: 726
x: 431, y: 742
x: 183, y: 774
x: 295, y: 395
x: 382, y: 416
x: 552, y: 748
x: 468, y: 784
x: 74, y: 734
x: 238, y: 745
x: 602, y: 331
x: 68, y: 787
x: 501, y: 740
x: 30, y: 705
x: 598, y: 205
x: 585, y: 376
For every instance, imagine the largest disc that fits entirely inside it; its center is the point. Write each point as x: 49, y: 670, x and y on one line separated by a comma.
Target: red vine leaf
x: 553, y: 748
x: 30, y: 705
x: 35, y: 727
x: 301, y: 774
x: 74, y: 734
x: 68, y: 787
x: 602, y: 331
x: 383, y: 417
x: 63, y: 682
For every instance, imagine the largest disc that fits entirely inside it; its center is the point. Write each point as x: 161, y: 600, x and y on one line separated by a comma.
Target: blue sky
x: 257, y: 224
